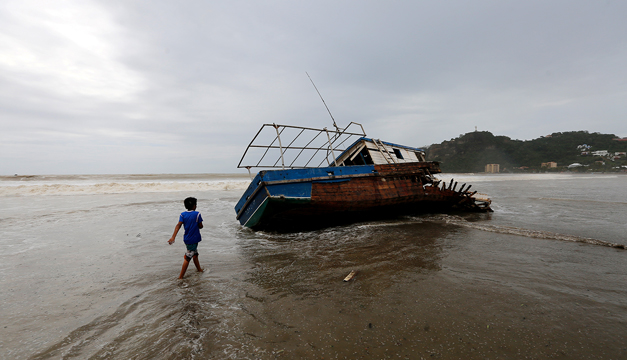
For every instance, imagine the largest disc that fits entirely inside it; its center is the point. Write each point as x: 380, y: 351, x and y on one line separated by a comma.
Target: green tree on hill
x: 472, y: 151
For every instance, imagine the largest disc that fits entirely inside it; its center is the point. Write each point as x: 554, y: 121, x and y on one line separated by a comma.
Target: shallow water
x: 87, y: 273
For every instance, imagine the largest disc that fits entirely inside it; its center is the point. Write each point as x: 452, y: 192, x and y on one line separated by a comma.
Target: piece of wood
x: 350, y: 276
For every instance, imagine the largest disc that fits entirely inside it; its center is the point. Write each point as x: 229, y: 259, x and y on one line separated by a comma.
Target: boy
x: 192, y: 221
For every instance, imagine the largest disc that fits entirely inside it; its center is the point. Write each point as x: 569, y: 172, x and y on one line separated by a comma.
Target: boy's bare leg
x: 184, y: 269
x: 197, y: 263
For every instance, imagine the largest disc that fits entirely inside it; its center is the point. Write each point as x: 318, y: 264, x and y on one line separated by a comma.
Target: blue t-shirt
x: 190, y: 220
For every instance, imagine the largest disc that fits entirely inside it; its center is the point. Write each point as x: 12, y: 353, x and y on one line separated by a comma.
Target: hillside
x: 472, y: 151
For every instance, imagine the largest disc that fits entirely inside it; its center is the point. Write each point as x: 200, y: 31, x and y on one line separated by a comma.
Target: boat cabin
x: 367, y: 151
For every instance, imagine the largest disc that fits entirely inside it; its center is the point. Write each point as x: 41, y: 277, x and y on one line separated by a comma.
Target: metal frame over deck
x: 304, y: 146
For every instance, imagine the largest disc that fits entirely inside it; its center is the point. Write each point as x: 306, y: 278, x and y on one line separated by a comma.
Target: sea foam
x: 119, y: 187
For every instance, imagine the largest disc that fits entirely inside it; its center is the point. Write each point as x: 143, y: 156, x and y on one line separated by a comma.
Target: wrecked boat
x: 319, y: 177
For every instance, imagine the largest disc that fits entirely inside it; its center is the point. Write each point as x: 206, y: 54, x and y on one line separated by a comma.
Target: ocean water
x: 86, y: 272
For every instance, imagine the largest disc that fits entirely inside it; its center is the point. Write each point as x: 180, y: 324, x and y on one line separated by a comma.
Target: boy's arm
x: 176, y: 231
x: 200, y: 225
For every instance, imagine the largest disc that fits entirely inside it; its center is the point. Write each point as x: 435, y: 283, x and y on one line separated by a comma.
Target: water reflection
x: 311, y: 264
x: 297, y: 304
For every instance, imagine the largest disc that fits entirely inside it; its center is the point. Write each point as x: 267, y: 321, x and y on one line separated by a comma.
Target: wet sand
x: 428, y: 298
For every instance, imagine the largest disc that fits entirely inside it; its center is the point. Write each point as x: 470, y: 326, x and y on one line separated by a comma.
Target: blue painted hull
x: 275, y: 191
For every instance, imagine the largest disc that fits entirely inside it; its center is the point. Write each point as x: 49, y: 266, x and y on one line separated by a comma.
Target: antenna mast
x: 325, y: 104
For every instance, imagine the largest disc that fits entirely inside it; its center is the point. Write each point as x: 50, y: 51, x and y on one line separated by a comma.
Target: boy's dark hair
x: 190, y: 202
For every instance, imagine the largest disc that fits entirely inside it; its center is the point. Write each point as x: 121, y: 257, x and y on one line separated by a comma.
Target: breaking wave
x: 120, y: 187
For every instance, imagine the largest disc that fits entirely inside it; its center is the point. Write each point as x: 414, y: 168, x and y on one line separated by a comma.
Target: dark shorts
x: 191, y: 251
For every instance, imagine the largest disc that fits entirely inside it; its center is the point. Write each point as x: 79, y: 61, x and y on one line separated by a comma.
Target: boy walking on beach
x: 192, y: 222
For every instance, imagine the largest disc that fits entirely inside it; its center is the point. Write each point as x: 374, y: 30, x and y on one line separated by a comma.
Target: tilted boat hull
x: 319, y: 196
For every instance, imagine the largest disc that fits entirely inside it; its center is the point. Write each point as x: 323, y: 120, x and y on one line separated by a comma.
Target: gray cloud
x: 159, y: 87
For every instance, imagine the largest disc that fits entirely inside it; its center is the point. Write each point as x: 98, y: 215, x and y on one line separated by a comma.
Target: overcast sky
x: 182, y: 86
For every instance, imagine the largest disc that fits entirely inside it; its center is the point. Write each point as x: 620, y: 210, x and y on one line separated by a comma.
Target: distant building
x: 492, y: 168
x: 621, y: 139
x: 574, y: 165
x: 600, y: 153
x: 549, y: 165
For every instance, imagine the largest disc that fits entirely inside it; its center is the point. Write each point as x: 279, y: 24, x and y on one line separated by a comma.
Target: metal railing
x: 306, y: 147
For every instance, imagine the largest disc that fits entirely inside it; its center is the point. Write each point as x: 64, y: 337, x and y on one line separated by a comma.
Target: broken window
x: 361, y: 158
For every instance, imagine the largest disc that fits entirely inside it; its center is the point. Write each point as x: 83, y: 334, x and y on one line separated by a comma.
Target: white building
x: 492, y: 168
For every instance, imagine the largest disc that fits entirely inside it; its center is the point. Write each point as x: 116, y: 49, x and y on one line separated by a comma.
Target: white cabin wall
x: 408, y: 156
x: 379, y: 159
x: 411, y: 155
